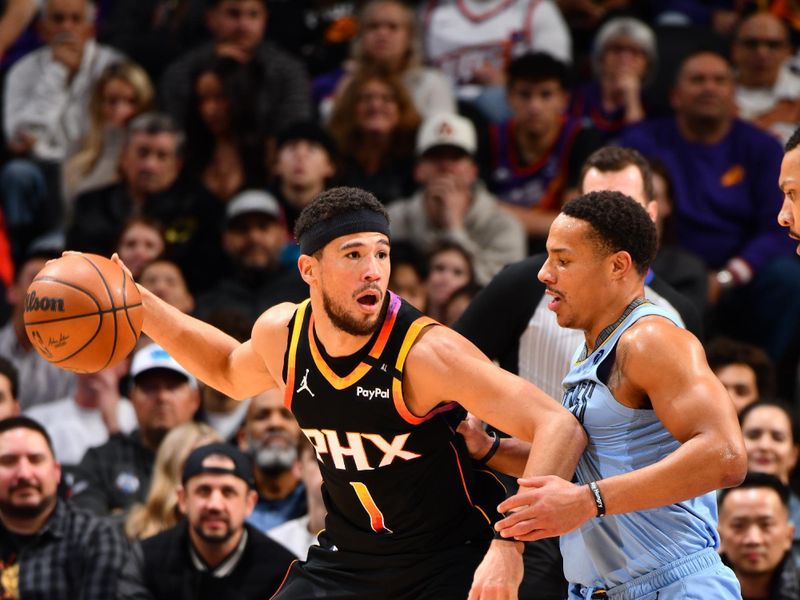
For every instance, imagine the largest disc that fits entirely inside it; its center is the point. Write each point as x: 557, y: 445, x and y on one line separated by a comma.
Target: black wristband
x: 495, y: 445
x: 598, y: 498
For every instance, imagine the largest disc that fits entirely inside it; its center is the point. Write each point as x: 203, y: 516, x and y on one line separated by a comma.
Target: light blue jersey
x: 616, y: 549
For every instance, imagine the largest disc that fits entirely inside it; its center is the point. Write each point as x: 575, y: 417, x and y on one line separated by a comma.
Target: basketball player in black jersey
x: 374, y: 385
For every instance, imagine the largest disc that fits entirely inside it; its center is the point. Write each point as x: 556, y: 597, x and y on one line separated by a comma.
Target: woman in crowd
x: 374, y: 123
x: 141, y: 241
x: 449, y: 268
x: 122, y: 92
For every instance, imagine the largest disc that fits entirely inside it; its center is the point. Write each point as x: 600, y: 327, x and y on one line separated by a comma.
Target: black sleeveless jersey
x: 394, y: 483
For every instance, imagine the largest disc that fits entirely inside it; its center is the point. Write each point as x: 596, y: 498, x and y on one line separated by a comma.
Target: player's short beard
x: 272, y: 459
x: 347, y: 323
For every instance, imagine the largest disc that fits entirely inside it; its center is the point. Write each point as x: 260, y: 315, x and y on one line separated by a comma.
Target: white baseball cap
x: 252, y: 201
x: 154, y: 356
x: 447, y: 129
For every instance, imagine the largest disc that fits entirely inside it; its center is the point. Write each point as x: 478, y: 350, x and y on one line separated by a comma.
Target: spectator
x: 252, y: 240
x: 89, y: 416
x: 270, y: 436
x: 122, y: 92
x: 141, y: 241
x: 299, y: 534
x: 772, y: 439
x: 114, y: 476
x: 538, y: 153
x: 408, y: 274
x: 756, y: 538
x: 473, y: 44
x: 213, y: 554
x: 745, y: 370
x: 624, y: 57
x: 44, y: 110
x: 43, y: 381
x: 767, y: 89
x: 305, y: 164
x: 224, y: 145
x: 48, y: 548
x: 9, y: 389
x: 165, y: 279
x: 723, y: 170
x: 388, y: 39
x: 237, y: 28
x: 47, y: 91
x: 452, y: 203
x: 374, y: 123
x: 160, y: 510
x: 458, y: 302
x: 450, y: 268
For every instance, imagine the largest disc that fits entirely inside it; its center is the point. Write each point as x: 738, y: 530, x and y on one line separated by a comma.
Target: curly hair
x: 333, y: 203
x: 618, y: 223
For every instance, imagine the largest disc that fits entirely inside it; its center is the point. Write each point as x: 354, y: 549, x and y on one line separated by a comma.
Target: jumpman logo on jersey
x: 304, y: 385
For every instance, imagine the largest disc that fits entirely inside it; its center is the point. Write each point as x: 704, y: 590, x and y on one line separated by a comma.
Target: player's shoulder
x: 653, y: 337
x: 439, y: 345
x: 275, y: 320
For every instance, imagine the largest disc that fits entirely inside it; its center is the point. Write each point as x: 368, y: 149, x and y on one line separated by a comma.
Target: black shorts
x: 342, y: 575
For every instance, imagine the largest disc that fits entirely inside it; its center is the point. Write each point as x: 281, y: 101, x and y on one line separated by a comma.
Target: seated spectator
x: 114, y: 476
x: 767, y: 89
x: 450, y: 267
x: 165, y: 279
x: 458, y: 302
x: 408, y: 274
x: 472, y: 44
x: 9, y: 389
x: 536, y: 155
x: 452, y: 203
x: 374, y: 123
x: 772, y: 439
x: 305, y: 164
x: 213, y: 553
x: 43, y: 381
x: 745, y: 370
x: 388, y: 39
x: 723, y: 172
x: 89, y: 416
x: 44, y: 114
x: 122, y: 92
x: 299, y: 534
x: 160, y: 510
x: 237, y: 28
x: 624, y: 57
x: 756, y: 538
x: 252, y: 241
x: 224, y: 146
x: 269, y: 436
x: 679, y: 267
x: 141, y: 241
x: 48, y: 548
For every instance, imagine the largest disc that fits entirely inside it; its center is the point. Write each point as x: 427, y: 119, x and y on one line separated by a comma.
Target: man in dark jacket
x: 212, y: 553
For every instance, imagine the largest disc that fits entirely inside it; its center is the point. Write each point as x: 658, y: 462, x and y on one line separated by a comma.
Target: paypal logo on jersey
x: 371, y: 394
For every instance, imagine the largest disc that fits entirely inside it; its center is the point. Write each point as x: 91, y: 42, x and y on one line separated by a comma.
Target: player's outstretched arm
x: 238, y: 370
x: 509, y: 457
x: 443, y: 366
x: 667, y: 365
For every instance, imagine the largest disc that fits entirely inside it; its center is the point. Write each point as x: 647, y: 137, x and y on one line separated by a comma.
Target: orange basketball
x: 83, y: 313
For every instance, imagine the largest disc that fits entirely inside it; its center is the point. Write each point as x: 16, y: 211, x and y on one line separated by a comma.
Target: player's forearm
x: 202, y: 349
x: 511, y: 457
x: 16, y: 17
x: 558, y: 442
x: 700, y: 465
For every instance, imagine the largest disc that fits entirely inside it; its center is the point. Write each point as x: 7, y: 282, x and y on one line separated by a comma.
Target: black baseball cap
x: 195, y: 463
x: 310, y: 132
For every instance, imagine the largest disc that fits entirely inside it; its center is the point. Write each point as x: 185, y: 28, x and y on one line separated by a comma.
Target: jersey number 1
x: 375, y: 514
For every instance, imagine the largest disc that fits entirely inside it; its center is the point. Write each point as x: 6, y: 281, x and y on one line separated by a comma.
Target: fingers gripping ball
x: 83, y: 313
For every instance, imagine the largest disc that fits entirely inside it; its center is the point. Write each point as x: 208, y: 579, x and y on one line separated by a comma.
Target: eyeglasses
x: 754, y: 43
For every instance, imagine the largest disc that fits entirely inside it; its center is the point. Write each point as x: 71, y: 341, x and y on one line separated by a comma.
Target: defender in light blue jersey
x: 639, y: 519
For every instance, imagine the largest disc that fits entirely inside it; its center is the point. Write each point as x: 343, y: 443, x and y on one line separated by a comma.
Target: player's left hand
x: 499, y: 574
x: 545, y: 507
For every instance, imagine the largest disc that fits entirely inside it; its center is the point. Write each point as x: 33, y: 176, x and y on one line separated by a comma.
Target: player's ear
x: 621, y: 263
x: 308, y: 267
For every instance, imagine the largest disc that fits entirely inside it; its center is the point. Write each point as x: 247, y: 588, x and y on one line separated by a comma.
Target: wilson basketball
x: 83, y: 313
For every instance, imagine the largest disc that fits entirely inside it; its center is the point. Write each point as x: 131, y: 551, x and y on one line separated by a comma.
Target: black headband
x: 357, y: 221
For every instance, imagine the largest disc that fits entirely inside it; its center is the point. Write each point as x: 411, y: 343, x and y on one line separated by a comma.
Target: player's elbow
x: 733, y: 466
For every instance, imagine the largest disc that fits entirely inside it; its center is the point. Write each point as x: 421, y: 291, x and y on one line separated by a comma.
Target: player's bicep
x: 251, y: 373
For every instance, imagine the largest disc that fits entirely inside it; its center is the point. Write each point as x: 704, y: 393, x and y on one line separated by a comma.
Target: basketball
x: 83, y: 313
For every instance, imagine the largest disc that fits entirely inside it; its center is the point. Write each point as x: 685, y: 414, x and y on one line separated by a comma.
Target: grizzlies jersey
x: 394, y: 483
x: 540, y: 184
x: 611, y: 550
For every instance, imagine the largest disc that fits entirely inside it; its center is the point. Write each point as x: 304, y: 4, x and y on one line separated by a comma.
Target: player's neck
x: 336, y: 342
x: 611, y: 317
